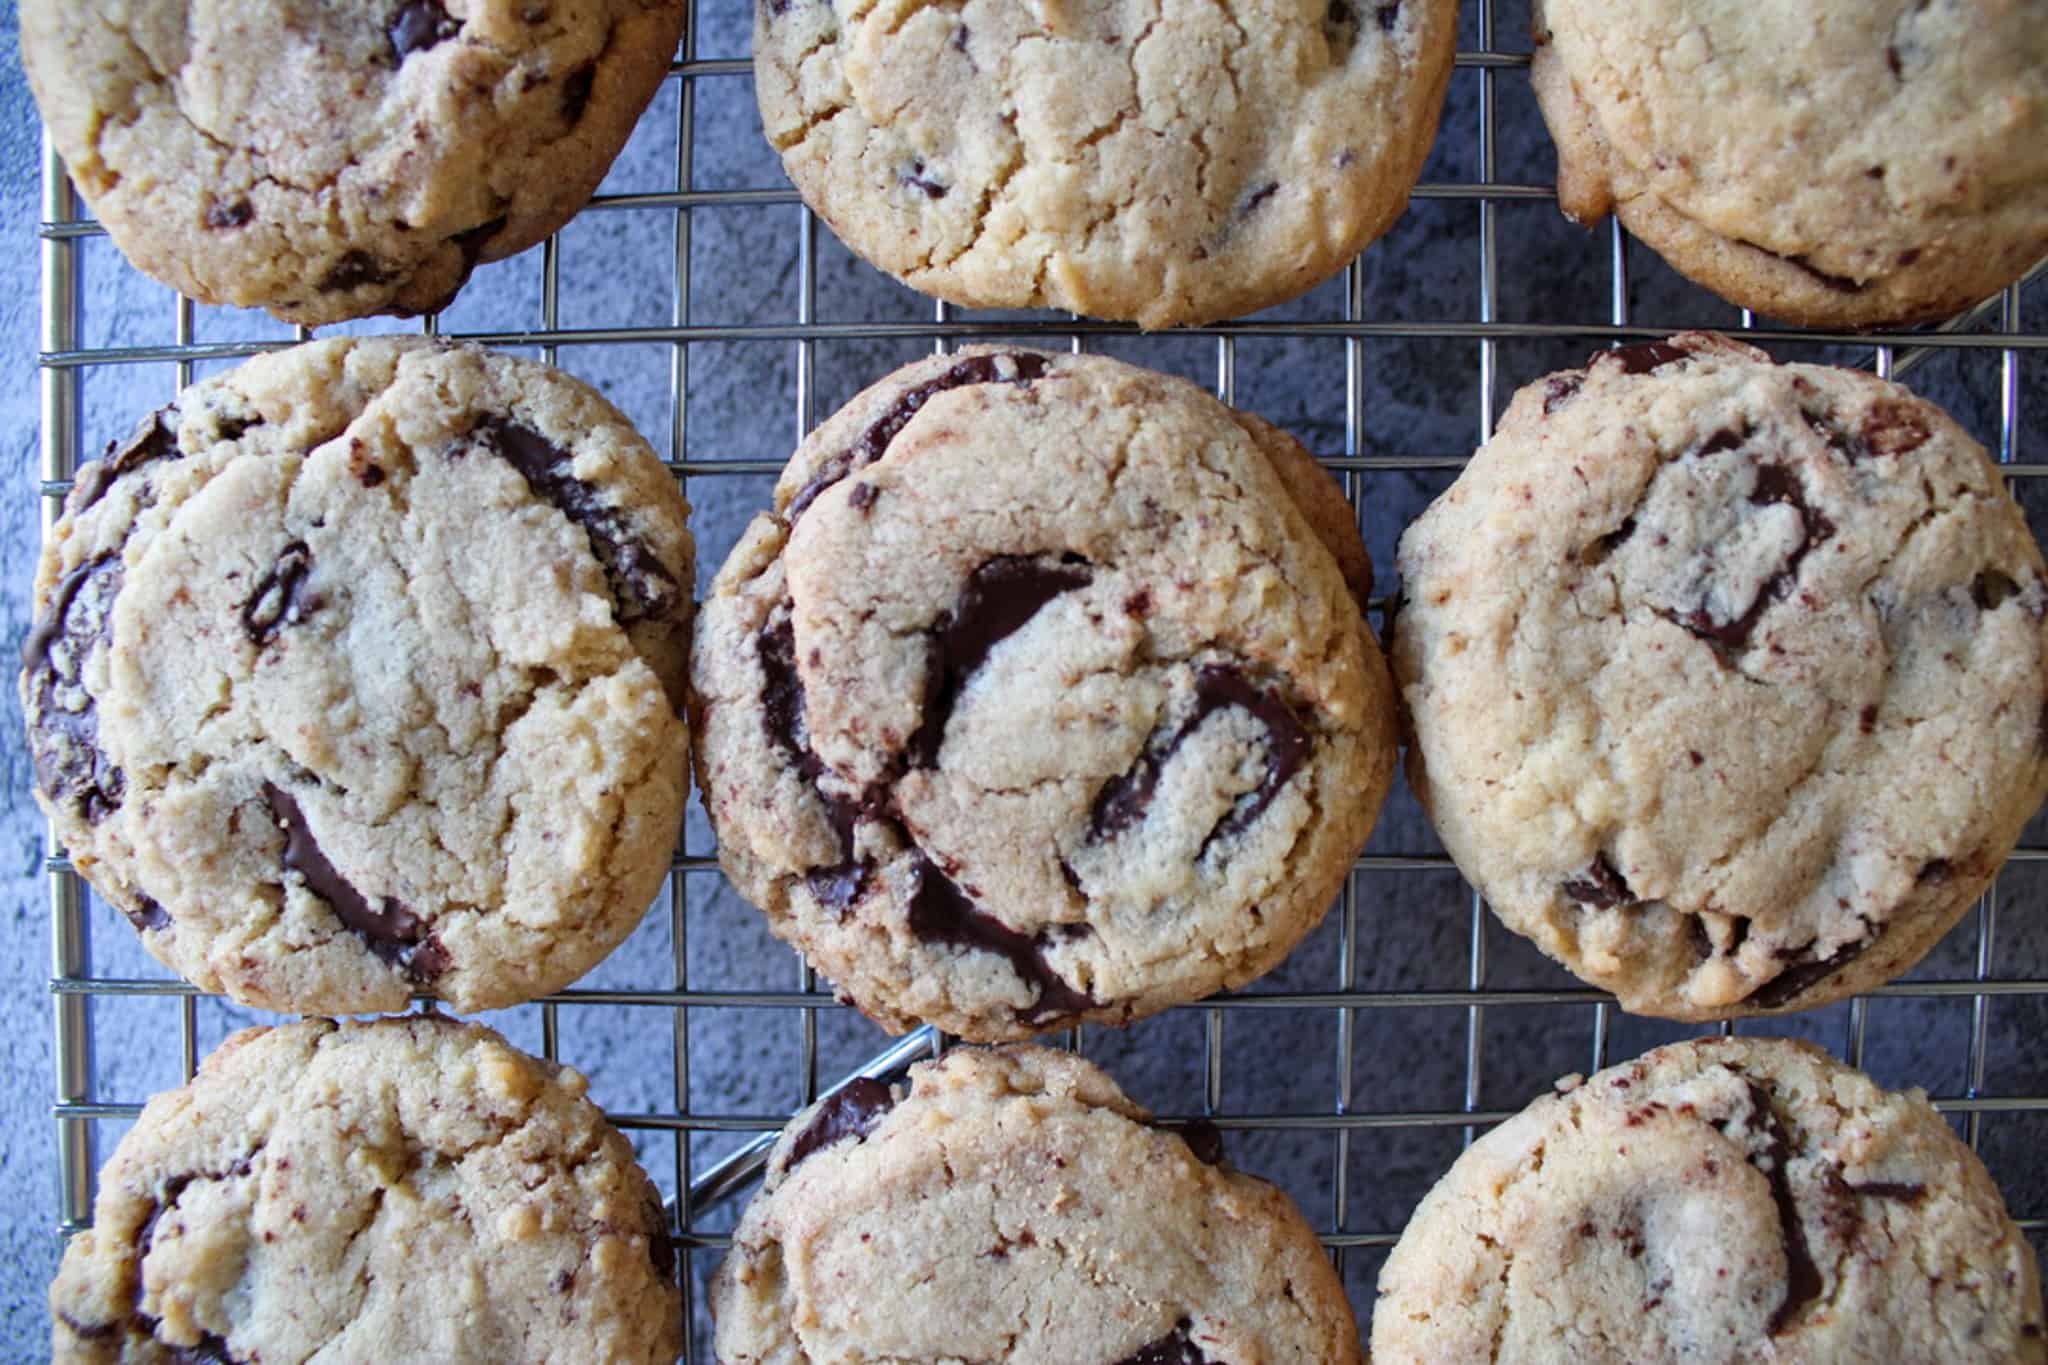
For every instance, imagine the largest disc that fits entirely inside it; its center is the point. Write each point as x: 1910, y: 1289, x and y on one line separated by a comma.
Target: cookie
x: 1724, y: 1200
x: 1848, y: 164
x: 1037, y: 698
x: 1109, y: 157
x: 407, y: 1189
x: 357, y: 674
x: 1726, y: 678
x: 1015, y: 1206
x: 329, y: 161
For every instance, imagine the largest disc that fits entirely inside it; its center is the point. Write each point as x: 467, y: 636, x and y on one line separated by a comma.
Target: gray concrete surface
x: 1412, y: 927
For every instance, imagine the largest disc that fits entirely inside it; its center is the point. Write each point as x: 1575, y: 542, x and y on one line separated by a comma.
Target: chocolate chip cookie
x: 1038, y: 697
x: 329, y: 161
x: 1840, y: 165
x: 357, y: 674
x: 410, y: 1189
x: 1725, y: 1200
x: 1727, y: 678
x: 1013, y: 1205
x: 1112, y: 157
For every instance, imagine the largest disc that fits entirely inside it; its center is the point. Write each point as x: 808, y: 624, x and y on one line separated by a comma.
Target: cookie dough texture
x: 1849, y: 163
x: 1725, y: 1200
x: 332, y: 160
x: 1037, y: 697
x: 1151, y: 160
x: 1015, y: 1206
x: 1726, y: 678
x: 406, y: 1189
x: 357, y: 673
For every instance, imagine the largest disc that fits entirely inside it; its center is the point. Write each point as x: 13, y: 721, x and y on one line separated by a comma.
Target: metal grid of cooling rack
x: 1990, y: 333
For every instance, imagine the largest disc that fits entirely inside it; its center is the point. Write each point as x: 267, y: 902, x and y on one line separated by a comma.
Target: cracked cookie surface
x: 1845, y: 164
x: 1152, y: 160
x: 1043, y: 693
x: 1726, y: 678
x: 1014, y: 1205
x: 405, y: 1189
x: 357, y: 672
x: 1724, y: 1200
x: 328, y: 161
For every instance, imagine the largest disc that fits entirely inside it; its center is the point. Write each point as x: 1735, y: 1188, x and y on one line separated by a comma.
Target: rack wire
x: 1990, y: 336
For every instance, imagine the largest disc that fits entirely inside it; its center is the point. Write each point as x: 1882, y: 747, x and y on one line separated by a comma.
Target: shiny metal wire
x: 1995, y: 326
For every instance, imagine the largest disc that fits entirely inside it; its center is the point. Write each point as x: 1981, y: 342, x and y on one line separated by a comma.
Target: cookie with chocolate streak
x: 1043, y: 693
x: 1727, y: 678
x: 357, y: 674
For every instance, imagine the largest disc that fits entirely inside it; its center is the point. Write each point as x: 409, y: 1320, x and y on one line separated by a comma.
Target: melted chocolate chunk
x: 1802, y: 1278
x: 1805, y: 972
x: 1340, y: 27
x: 1176, y: 1348
x: 661, y: 1252
x: 1906, y: 1192
x: 1560, y: 389
x: 914, y: 178
x: 782, y: 711
x: 981, y: 369
x: 223, y: 216
x: 280, y: 598
x: 1000, y: 597
x: 852, y: 1113
x: 1936, y: 870
x: 1258, y: 197
x: 65, y: 736
x: 940, y: 912
x: 1990, y: 589
x: 1727, y: 438
x: 1643, y: 357
x: 419, y: 25
x: 1600, y: 886
x: 1774, y: 483
x: 394, y: 933
x: 149, y: 914
x: 576, y: 88
x: 1124, y: 800
x: 1386, y: 16
x: 1893, y: 427
x: 1205, y: 1140
x: 354, y: 270
x: 154, y: 438
x: 642, y: 589
x: 471, y: 242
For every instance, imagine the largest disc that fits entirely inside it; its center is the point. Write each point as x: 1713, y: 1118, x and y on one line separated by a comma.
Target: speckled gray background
x: 1421, y: 400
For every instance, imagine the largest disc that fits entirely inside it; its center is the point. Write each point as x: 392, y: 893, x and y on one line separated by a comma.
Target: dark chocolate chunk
x: 1990, y: 589
x: 1727, y: 438
x: 1891, y: 61
x: 1643, y: 357
x: 149, y: 914
x: 394, y: 933
x: 1893, y: 427
x: 980, y: 369
x: 65, y: 736
x: 1258, y: 197
x: 472, y: 242
x: 1803, y: 1281
x: 914, y: 178
x: 660, y: 1250
x: 1866, y: 720
x: 1804, y: 972
x: 1124, y: 800
x: 1906, y: 1192
x: 354, y: 270
x: 852, y: 1113
x: 1559, y: 389
x: 1205, y: 1140
x: 1606, y: 545
x: 222, y: 216
x: 280, y: 598
x: 1600, y: 885
x: 211, y: 1350
x: 1936, y: 871
x: 863, y: 496
x: 642, y: 588
x: 154, y: 438
x: 1340, y: 29
x: 782, y: 711
x: 1175, y: 1348
x: 1387, y: 16
x: 576, y: 88
x: 419, y: 25
x: 370, y: 475
x: 1000, y: 597
x: 1774, y: 483
x: 940, y: 912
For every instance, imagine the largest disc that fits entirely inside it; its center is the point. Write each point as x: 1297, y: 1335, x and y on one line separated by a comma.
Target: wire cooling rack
x: 1476, y: 1010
